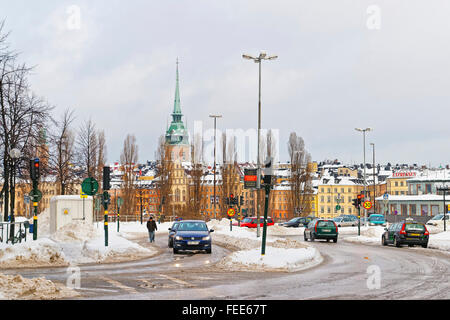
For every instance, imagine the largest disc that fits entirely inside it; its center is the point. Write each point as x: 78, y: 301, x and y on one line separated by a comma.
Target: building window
x: 424, y: 210
x: 428, y: 188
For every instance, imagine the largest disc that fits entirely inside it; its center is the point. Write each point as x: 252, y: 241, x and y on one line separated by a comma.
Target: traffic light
x: 106, y: 178
x: 360, y: 198
x: 355, y: 203
x: 34, y: 169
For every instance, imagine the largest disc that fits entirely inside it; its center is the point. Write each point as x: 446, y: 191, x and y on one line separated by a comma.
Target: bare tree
x: 195, y: 179
x: 62, y: 155
x: 128, y: 160
x: 229, y: 170
x: 300, y: 180
x: 87, y: 148
x: 101, y: 155
x: 163, y: 178
x: 22, y: 116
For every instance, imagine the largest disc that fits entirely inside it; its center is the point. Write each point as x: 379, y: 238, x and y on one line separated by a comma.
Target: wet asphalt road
x: 349, y: 271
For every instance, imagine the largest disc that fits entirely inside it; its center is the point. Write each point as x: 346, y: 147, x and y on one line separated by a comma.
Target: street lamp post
x: 374, y: 187
x: 215, y: 117
x: 364, y: 149
x: 262, y: 56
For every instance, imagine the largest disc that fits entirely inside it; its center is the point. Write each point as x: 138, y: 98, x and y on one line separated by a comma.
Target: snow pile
x: 75, y: 243
x: 281, y: 254
x: 369, y: 235
x: 275, y: 259
x: 440, y: 241
x: 42, y: 252
x: 15, y: 287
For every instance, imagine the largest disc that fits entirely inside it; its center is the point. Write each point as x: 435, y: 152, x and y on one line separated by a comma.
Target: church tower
x: 177, y: 137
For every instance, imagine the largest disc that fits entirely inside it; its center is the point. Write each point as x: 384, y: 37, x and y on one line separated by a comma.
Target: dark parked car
x: 406, y: 232
x: 172, y: 232
x: 321, y: 229
x: 297, y: 222
x: 192, y: 235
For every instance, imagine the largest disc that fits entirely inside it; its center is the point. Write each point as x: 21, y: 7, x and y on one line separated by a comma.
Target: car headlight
x: 206, y: 238
x: 178, y: 238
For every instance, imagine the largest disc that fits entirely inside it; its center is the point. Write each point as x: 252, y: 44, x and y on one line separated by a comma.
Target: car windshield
x: 414, y: 227
x: 376, y: 218
x: 192, y: 226
x: 294, y: 220
x: 438, y: 217
x: 247, y: 220
x: 338, y: 219
x: 323, y: 224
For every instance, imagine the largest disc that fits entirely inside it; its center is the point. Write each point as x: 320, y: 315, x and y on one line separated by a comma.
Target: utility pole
x: 262, y: 56
x: 215, y: 131
x: 374, y: 187
x: 364, y: 152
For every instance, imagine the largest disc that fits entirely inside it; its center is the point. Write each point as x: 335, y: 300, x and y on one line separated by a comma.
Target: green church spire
x: 177, y: 133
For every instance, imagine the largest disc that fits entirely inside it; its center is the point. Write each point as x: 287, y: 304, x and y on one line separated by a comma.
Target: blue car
x: 377, y: 220
x: 192, y: 235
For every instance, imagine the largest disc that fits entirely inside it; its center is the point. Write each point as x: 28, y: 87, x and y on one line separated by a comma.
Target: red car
x: 250, y: 222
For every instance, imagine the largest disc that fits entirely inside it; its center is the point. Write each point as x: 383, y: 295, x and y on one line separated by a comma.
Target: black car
x: 297, y: 222
x: 192, y: 235
x: 172, y: 232
x: 406, y: 232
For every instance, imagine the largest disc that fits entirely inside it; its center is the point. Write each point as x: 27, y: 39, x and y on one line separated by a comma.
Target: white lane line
x: 119, y: 285
x: 184, y: 283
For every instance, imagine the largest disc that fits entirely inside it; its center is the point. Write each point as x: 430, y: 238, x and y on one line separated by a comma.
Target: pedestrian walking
x: 151, y: 226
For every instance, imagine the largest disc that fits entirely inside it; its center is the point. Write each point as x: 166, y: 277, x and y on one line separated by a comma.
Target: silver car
x: 345, y: 222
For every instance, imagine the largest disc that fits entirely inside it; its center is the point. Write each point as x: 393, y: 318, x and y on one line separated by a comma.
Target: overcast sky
x: 342, y: 64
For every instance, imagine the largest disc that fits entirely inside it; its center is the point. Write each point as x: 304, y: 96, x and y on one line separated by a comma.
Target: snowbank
x: 15, y: 287
x: 75, y: 243
x: 283, y: 255
x: 440, y: 241
x: 369, y: 235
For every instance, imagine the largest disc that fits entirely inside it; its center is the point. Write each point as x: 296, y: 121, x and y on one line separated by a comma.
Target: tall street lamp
x: 215, y: 117
x: 364, y: 151
x: 262, y: 56
x: 444, y: 189
x: 374, y: 187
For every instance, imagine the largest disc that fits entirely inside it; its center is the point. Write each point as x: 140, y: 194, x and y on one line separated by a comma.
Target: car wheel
x: 304, y: 237
x: 396, y: 243
x: 335, y: 240
x: 208, y: 251
x: 425, y: 245
x: 383, y: 241
x: 312, y: 237
x: 175, y: 251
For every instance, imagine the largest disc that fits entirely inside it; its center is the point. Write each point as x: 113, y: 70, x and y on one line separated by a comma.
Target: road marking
x: 184, y: 283
x: 119, y: 285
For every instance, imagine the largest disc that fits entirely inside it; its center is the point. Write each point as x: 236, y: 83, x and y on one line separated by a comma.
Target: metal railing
x: 20, y: 232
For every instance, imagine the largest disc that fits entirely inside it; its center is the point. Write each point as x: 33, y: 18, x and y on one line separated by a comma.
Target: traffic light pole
x: 263, y: 247
x: 35, y: 221
x: 359, y: 220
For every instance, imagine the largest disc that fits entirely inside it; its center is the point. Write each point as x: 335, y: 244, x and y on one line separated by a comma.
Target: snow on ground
x: 15, y: 287
x: 281, y: 254
x: 372, y: 235
x: 440, y: 241
x: 75, y: 243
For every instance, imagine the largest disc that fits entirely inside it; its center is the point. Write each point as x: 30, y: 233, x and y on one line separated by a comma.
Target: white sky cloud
x: 333, y: 73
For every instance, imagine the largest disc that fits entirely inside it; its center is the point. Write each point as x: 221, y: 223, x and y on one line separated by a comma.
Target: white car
x: 345, y: 222
x: 438, y: 220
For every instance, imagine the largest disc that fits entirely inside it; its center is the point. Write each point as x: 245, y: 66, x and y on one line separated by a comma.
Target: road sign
x: 35, y: 195
x: 250, y: 178
x: 89, y: 186
x: 231, y: 212
x: 83, y: 195
x: 386, y: 196
x: 367, y: 205
x: 338, y: 207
